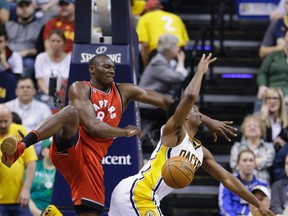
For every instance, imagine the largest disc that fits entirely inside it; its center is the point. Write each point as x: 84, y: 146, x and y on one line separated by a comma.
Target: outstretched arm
x: 79, y: 98
x: 231, y: 182
x: 133, y: 92
x: 221, y: 127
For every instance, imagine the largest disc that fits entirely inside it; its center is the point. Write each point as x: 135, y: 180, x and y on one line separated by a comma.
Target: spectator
x: 269, y: 42
x: 263, y: 195
x: 161, y: 77
x: 281, y: 26
x: 137, y: 7
x: 273, y: 72
x: 64, y: 21
x: 253, y: 131
x: 23, y: 34
x: 274, y: 36
x: 279, y: 11
x: 154, y: 23
x: 279, y: 201
x: 273, y: 113
x: 46, y: 9
x: 230, y: 203
x: 42, y: 185
x: 8, y: 84
x: 15, y: 193
x: 55, y: 61
x: 4, y: 11
x: 31, y: 111
x: 10, y: 61
x: 274, y: 116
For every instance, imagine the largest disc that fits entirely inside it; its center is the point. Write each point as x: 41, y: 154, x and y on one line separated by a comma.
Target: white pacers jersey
x: 141, y: 194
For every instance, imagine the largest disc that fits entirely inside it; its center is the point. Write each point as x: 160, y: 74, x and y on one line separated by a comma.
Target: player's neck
x: 100, y: 87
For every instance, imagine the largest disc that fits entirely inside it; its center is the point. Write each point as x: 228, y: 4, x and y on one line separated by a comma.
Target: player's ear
x: 91, y: 67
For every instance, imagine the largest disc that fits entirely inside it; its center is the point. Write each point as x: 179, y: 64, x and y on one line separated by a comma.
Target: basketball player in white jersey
x: 140, y: 195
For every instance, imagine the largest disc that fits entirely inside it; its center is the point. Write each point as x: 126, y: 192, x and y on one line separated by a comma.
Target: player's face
x: 195, y: 116
x: 104, y: 70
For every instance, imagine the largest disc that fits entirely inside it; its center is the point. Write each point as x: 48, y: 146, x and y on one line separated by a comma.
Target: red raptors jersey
x: 81, y: 167
x: 108, y: 108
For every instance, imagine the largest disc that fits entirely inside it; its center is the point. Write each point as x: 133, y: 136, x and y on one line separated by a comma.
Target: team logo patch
x: 150, y: 213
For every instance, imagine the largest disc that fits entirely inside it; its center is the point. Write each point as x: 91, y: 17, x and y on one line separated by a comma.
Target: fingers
x: 214, y: 135
x: 225, y: 136
x: 139, y: 135
x: 24, y: 202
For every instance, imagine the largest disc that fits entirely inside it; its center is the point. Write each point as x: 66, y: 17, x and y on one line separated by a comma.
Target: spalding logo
x: 150, y: 213
x: 101, y: 50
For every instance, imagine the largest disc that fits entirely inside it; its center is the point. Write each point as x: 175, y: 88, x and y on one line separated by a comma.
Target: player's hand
x: 204, y: 63
x: 223, y: 128
x: 265, y: 212
x: 133, y: 130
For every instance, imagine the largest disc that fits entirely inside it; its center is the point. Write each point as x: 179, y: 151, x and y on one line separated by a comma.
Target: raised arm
x: 231, y: 182
x: 79, y: 97
x: 188, y: 99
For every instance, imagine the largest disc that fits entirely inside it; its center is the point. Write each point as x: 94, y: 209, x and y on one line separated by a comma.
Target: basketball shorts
x: 85, y: 178
x: 123, y: 202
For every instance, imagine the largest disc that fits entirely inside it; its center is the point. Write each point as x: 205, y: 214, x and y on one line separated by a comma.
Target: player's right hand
x: 133, y: 130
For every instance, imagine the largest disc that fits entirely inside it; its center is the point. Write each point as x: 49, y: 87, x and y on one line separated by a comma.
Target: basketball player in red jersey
x: 84, y: 130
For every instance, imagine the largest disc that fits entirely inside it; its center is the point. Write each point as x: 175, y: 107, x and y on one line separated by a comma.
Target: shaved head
x: 5, y: 119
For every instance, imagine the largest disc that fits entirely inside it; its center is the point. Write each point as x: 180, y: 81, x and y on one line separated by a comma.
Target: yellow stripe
x: 142, y: 191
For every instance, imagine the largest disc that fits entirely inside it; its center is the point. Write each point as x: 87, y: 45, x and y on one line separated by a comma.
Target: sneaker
x: 11, y: 149
x: 51, y: 210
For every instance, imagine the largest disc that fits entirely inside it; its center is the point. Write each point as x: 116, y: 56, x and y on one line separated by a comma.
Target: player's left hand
x: 223, y: 128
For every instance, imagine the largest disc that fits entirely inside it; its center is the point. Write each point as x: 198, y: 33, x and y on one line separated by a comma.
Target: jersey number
x: 168, y: 23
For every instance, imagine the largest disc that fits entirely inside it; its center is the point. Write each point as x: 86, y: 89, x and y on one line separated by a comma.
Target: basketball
x: 177, y: 172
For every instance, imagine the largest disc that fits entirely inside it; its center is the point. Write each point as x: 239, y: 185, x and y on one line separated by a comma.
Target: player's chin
x: 109, y: 82
x: 200, y: 125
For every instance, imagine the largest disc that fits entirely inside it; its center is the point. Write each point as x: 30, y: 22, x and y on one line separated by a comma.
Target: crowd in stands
x: 36, y: 38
